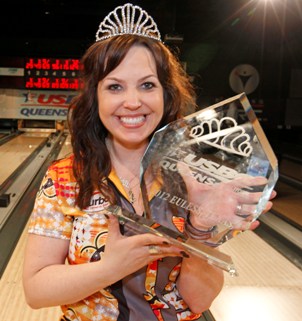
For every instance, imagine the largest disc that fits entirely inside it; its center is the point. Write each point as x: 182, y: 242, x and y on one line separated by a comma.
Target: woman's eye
x: 148, y: 85
x: 114, y: 87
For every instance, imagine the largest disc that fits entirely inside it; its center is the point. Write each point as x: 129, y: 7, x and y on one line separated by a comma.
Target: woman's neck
x: 127, y: 156
x: 126, y: 163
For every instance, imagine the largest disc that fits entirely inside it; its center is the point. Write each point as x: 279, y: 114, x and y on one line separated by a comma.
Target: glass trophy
x: 215, y: 164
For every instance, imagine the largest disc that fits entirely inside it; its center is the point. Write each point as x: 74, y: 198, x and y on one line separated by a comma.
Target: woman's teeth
x: 132, y: 120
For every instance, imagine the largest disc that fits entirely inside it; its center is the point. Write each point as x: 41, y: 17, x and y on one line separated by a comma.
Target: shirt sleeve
x: 47, y: 218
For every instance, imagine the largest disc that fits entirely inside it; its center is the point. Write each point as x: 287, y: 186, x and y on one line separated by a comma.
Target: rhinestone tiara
x: 128, y: 19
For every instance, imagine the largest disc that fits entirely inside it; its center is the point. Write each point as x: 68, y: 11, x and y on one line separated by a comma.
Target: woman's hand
x: 229, y: 203
x: 48, y: 281
x: 126, y: 254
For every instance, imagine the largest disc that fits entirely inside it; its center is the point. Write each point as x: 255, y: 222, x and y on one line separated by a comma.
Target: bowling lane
x: 288, y: 203
x: 15, y: 151
x: 269, y: 287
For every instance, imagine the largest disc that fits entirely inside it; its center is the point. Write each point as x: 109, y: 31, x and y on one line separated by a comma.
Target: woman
x: 132, y: 86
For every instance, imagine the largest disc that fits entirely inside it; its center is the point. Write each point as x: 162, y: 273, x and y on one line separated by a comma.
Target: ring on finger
x: 238, y: 209
x: 240, y: 213
x: 153, y: 250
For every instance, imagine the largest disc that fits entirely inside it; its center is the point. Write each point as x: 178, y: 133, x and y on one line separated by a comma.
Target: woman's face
x: 130, y: 98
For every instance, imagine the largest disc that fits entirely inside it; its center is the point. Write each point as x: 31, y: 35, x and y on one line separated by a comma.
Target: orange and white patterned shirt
x: 148, y: 294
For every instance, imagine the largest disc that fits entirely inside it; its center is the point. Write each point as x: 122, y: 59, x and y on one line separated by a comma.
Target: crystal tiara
x: 128, y: 19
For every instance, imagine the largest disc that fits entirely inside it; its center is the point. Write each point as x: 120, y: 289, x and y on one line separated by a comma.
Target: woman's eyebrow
x: 113, y: 78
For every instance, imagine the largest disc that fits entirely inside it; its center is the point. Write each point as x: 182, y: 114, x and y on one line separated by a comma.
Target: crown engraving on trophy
x: 224, y: 134
x: 128, y: 19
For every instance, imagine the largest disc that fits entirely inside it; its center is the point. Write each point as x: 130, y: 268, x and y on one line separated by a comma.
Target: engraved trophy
x: 216, y: 163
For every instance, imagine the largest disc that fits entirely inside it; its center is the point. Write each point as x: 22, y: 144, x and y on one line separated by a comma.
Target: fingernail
x: 184, y: 254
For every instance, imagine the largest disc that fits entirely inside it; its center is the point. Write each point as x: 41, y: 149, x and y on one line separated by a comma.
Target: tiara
x: 128, y: 19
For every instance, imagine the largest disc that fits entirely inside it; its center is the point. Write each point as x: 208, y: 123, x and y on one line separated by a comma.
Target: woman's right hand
x: 126, y: 254
x: 48, y: 281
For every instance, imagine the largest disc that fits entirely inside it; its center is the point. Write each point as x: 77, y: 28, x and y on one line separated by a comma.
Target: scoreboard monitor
x: 51, y: 73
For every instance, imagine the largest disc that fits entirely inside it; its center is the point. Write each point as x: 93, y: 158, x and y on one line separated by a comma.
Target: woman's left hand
x: 230, y: 203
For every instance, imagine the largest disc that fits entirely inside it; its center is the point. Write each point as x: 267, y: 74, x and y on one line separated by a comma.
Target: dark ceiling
x: 67, y: 27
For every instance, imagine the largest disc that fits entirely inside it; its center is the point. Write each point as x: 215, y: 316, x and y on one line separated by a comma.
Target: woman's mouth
x: 127, y: 120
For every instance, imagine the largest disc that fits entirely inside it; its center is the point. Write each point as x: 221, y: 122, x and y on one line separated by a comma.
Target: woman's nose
x: 132, y: 99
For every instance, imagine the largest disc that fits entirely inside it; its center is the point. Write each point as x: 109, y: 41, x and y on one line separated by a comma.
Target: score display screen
x: 51, y: 73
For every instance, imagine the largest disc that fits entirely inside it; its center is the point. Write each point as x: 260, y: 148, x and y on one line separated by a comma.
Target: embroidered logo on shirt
x: 97, y: 203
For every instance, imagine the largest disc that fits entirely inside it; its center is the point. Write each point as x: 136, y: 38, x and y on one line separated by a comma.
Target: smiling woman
x: 133, y: 85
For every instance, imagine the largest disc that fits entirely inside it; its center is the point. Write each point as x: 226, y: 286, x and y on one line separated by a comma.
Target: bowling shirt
x: 149, y: 294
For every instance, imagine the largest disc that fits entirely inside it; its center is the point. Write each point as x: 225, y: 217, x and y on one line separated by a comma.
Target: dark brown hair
x: 91, y: 158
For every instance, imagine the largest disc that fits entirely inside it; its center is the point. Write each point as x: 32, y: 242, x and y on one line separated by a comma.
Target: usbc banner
x: 34, y: 104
